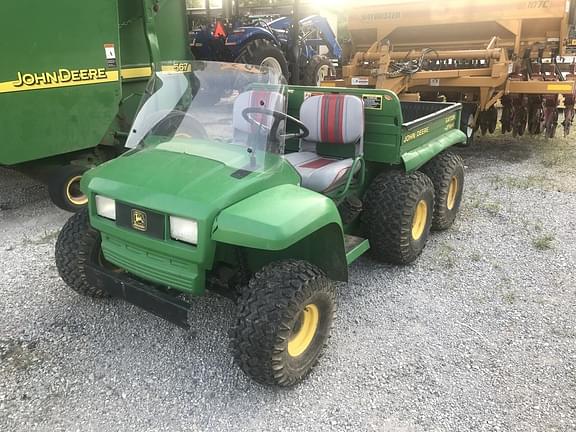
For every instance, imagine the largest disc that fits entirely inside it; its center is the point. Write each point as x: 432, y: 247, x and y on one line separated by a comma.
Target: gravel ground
x: 477, y: 335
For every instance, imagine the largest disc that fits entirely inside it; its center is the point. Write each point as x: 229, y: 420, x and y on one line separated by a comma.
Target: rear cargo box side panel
x: 419, y: 135
x: 47, y: 37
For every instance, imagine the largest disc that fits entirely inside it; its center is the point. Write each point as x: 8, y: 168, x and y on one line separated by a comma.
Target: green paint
x: 357, y: 251
x: 174, y: 184
x: 427, y: 149
x: 43, y: 123
x: 259, y: 218
x: 295, y: 214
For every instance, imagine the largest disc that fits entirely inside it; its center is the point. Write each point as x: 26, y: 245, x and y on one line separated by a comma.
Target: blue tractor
x: 285, y: 44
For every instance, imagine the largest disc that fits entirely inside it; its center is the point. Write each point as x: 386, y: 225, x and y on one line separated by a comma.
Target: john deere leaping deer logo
x: 139, y: 221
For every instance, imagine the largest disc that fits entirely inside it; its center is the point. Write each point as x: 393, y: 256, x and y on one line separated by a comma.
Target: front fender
x: 241, y: 36
x: 286, y: 222
x: 275, y: 219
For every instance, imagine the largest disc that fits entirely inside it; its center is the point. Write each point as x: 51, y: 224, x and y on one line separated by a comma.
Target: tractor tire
x: 466, y: 119
x: 447, y: 174
x: 76, y: 243
x: 397, y: 215
x: 284, y: 320
x: 262, y: 52
x: 64, y: 188
x: 316, y: 70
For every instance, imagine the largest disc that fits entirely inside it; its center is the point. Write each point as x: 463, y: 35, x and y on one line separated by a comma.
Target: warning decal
x: 372, y: 101
x: 110, y: 51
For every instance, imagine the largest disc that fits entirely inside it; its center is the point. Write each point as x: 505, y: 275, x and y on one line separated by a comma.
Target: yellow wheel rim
x: 419, y: 219
x: 300, y: 339
x: 452, y: 192
x: 73, y: 193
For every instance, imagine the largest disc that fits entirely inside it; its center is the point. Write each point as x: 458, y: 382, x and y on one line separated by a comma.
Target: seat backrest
x: 256, y: 98
x: 334, y: 119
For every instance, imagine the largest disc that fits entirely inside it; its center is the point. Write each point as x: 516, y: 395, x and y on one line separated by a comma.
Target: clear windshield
x: 227, y: 112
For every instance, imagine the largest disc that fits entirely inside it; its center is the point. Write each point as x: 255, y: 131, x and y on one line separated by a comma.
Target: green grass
x: 543, y: 242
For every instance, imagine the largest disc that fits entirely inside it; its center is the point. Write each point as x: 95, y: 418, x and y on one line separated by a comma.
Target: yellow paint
x: 302, y: 338
x: 25, y: 81
x: 78, y: 199
x: 139, y: 220
x: 452, y: 193
x: 177, y: 68
x: 58, y: 79
x: 141, y: 72
x: 419, y: 219
x: 559, y: 87
x: 412, y: 136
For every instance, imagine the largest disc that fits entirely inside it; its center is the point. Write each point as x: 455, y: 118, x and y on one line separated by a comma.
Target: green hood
x: 180, y: 184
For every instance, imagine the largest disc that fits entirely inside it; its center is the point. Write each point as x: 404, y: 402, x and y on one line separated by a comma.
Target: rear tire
x: 77, y: 243
x: 284, y: 321
x: 398, y: 215
x: 64, y: 188
x: 259, y: 51
x: 447, y: 174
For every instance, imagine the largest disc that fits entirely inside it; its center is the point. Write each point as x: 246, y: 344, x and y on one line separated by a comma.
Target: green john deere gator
x: 266, y: 196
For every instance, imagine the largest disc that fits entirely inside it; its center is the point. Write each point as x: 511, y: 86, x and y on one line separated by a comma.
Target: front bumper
x: 161, y: 303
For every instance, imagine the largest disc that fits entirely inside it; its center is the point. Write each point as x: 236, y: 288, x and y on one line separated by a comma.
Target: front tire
x: 447, y: 174
x: 398, y: 215
x: 77, y: 243
x: 317, y: 69
x: 261, y: 52
x: 284, y: 321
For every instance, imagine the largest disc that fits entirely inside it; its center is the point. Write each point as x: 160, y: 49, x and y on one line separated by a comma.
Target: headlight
x: 185, y: 230
x: 106, y: 207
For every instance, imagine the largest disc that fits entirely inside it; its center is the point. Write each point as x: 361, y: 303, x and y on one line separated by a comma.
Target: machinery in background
x: 295, y: 47
x: 70, y: 88
x: 517, y: 54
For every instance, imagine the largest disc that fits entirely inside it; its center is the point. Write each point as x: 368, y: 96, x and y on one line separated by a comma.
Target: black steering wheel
x: 278, y: 118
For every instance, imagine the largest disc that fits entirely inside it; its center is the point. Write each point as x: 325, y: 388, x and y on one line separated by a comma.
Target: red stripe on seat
x: 332, y: 119
x: 317, y: 163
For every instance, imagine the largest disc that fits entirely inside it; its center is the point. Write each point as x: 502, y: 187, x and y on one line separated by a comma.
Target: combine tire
x: 64, y: 188
x: 284, y: 320
x: 398, y: 215
x: 262, y: 52
x: 447, y: 174
x: 318, y: 68
x: 76, y: 243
